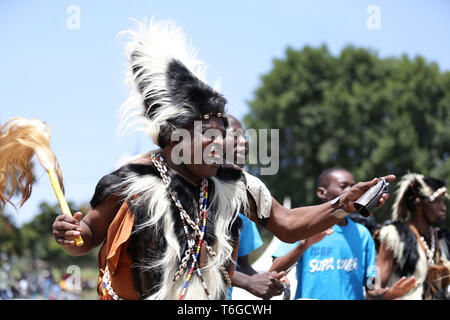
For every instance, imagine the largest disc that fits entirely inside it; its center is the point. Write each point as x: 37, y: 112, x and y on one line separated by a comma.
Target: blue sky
x: 73, y: 78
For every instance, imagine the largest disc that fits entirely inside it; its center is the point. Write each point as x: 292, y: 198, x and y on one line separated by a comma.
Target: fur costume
x: 168, y: 92
x: 157, y: 244
x: 409, y: 258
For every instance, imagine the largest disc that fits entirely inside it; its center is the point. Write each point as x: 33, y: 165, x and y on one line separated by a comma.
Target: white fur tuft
x: 153, y: 45
x: 399, y: 210
x: 390, y: 236
x: 229, y: 197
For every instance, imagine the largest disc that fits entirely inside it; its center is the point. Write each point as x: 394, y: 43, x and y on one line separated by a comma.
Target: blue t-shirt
x: 337, y: 267
x: 249, y: 240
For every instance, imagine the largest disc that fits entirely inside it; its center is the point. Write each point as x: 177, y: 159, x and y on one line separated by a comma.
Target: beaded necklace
x: 429, y: 252
x: 107, y: 290
x: 158, y: 161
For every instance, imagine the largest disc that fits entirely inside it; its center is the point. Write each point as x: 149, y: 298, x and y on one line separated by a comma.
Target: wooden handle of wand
x: 62, y: 200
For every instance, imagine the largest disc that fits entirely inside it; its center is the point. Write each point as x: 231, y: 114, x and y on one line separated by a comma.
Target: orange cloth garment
x: 114, y: 253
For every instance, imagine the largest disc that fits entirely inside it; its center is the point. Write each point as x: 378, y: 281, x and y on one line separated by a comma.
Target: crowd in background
x: 21, y: 278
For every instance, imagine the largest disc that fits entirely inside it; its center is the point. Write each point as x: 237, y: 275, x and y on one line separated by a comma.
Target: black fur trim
x: 108, y: 184
x: 188, y: 195
x: 410, y: 252
x: 147, y: 245
x: 228, y: 173
x: 369, y: 222
x: 444, y: 234
x: 185, y: 88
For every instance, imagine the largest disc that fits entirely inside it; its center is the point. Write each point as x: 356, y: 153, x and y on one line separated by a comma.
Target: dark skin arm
x: 243, y: 265
x: 290, y: 225
x: 264, y: 285
x: 285, y: 262
x: 400, y: 288
x: 93, y: 227
x: 384, y: 262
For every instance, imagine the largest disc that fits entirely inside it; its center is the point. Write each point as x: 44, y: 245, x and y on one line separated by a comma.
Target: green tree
x: 356, y: 110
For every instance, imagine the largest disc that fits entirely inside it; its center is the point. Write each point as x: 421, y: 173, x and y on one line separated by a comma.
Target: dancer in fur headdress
x: 410, y: 244
x: 167, y: 221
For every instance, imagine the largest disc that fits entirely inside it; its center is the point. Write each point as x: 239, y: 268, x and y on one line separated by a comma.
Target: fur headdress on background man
x: 412, y: 188
x: 166, y: 82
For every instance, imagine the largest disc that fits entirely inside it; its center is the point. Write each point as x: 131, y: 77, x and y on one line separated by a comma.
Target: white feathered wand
x: 20, y: 140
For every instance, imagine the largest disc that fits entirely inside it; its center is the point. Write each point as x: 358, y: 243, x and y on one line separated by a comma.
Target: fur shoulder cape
x: 158, y: 244
x: 409, y: 259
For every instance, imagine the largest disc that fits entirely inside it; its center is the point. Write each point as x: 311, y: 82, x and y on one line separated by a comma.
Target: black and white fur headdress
x: 413, y: 187
x: 167, y: 82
